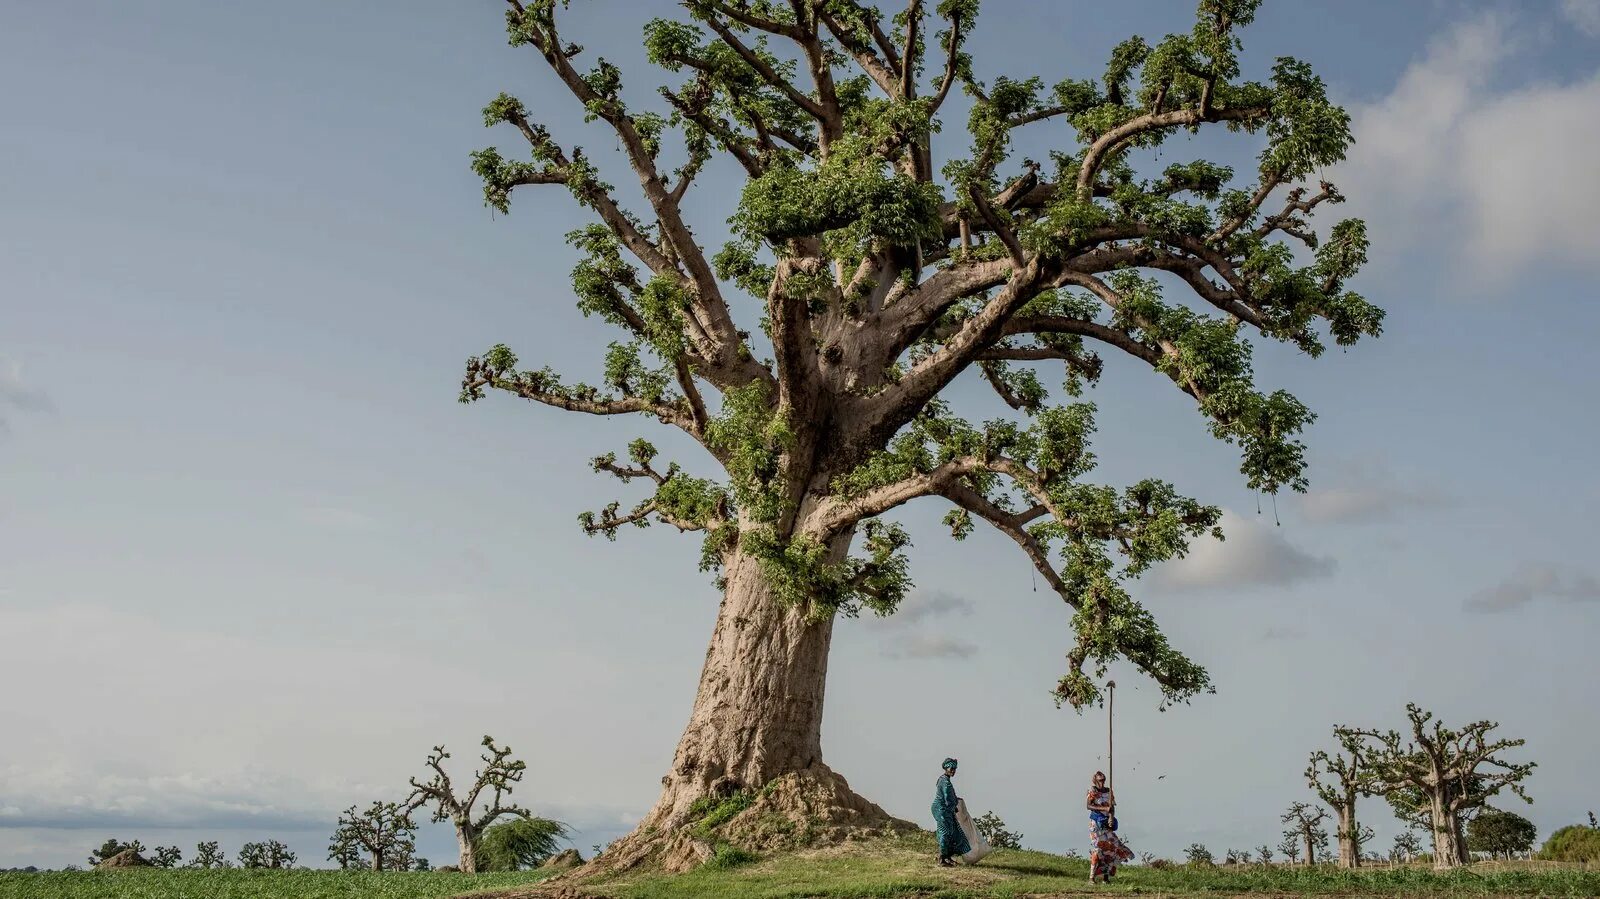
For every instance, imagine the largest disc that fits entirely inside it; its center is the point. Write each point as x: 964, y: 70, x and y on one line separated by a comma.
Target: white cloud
x: 1448, y: 156
x: 1583, y: 14
x: 1365, y: 493
x: 1532, y: 581
x: 911, y: 637
x: 929, y: 646
x: 1254, y: 554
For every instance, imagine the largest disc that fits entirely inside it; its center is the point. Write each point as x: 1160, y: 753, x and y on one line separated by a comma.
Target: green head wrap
x: 949, y: 764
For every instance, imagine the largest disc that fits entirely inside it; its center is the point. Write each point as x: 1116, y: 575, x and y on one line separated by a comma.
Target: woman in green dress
x: 952, y: 841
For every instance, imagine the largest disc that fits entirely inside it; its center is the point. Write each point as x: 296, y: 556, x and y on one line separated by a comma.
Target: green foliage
x: 1500, y: 833
x: 1198, y: 855
x: 1573, y: 843
x: 857, y: 195
x: 710, y: 812
x: 267, y: 854
x: 520, y: 843
x: 728, y: 856
x: 166, y: 857
x: 112, y: 846
x: 208, y: 855
x: 994, y: 831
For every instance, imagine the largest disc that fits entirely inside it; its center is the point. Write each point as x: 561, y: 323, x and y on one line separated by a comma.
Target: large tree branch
x: 1115, y: 138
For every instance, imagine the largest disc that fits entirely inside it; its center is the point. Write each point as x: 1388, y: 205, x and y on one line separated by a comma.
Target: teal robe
x: 952, y: 841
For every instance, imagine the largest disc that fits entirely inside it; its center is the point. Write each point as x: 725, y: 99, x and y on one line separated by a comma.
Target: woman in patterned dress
x: 1105, y: 847
x: 952, y: 841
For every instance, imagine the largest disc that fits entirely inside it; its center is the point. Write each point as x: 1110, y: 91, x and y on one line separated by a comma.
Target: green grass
x: 905, y: 868
x: 235, y: 883
x: 901, y: 869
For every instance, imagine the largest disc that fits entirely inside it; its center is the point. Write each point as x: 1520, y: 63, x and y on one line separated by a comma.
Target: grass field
x: 235, y: 883
x: 900, y: 868
x: 904, y: 868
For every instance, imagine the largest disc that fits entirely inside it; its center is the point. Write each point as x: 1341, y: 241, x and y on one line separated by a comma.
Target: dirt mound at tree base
x: 127, y: 858
x: 563, y: 860
x: 809, y: 808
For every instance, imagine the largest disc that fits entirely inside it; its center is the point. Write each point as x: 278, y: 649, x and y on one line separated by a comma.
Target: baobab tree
x: 1406, y: 846
x: 1351, y: 777
x: 878, y: 280
x: 384, y: 831
x: 1305, y: 829
x: 499, y: 774
x: 1455, y: 771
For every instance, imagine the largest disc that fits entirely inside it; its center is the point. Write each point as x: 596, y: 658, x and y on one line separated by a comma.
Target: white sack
x: 980, y: 846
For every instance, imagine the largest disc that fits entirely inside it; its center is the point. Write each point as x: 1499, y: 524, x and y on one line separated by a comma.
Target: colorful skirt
x: 1106, y: 849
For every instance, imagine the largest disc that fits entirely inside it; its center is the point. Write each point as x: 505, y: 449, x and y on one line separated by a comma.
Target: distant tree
x: 1573, y: 843
x: 499, y: 774
x: 208, y: 855
x: 421, y: 864
x: 270, y: 854
x: 111, y: 847
x: 403, y: 858
x: 994, y: 830
x: 520, y: 843
x: 1593, y: 821
x: 348, y: 858
x: 166, y: 857
x: 1198, y: 854
x: 1306, y: 828
x: 1146, y: 858
x: 1500, y: 833
x: 1406, y: 846
x: 1290, y: 847
x: 1072, y: 853
x: 1264, y: 852
x: 383, y: 830
x: 1448, y: 767
x: 1337, y: 780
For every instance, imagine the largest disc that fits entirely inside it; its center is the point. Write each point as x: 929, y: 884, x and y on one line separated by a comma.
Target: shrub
x: 1574, y: 843
x: 729, y: 856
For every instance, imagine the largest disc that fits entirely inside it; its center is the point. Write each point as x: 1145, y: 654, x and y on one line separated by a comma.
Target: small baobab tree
x: 384, y: 830
x: 1406, y: 846
x: 1305, y: 828
x: 499, y: 774
x: 1290, y: 847
x: 1337, y: 780
x: 1456, y: 771
x: 1264, y: 852
x: 268, y: 854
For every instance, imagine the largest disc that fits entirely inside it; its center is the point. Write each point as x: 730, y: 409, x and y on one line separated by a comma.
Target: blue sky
x: 255, y: 560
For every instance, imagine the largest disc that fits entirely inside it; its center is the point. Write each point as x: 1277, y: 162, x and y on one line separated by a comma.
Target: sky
x: 255, y: 560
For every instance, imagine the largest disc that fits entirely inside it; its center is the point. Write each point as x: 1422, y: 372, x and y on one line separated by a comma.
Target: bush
x: 1198, y: 854
x: 730, y: 856
x: 1574, y: 843
x: 518, y: 844
x: 994, y: 830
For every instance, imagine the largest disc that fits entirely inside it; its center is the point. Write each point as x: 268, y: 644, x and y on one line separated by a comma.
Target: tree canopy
x: 879, y: 276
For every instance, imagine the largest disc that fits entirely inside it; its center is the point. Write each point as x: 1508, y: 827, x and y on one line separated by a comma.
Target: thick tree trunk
x: 1349, y: 851
x: 467, y: 842
x: 757, y: 717
x: 1448, y: 847
x: 377, y: 861
x: 1311, y: 849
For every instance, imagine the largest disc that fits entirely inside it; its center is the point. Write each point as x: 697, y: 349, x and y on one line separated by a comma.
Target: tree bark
x: 757, y: 717
x: 467, y: 841
x: 1349, y: 851
x: 758, y: 712
x: 1311, y: 849
x: 1449, y: 848
x: 377, y: 861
